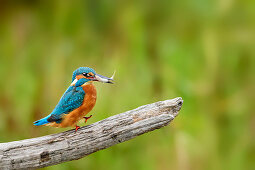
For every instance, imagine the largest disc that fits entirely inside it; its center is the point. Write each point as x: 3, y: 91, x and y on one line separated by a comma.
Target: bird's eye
x: 87, y: 74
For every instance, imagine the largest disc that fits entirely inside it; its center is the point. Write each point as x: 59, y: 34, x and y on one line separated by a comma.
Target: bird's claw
x: 76, y: 128
x: 86, y: 118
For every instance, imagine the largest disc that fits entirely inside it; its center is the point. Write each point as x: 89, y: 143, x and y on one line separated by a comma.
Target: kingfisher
x: 77, y: 101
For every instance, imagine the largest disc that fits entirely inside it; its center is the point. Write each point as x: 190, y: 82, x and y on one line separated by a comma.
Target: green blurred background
x: 201, y: 50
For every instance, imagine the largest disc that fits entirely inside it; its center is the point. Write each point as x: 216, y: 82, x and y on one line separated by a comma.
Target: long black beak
x: 104, y: 79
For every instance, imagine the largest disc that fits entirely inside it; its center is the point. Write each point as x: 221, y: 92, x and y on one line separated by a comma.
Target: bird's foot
x: 76, y: 128
x: 86, y: 118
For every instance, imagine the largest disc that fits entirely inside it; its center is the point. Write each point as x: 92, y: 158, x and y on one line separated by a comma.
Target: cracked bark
x: 66, y: 146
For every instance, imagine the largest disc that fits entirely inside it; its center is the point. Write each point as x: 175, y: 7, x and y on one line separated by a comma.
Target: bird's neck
x: 89, y: 88
x: 87, y: 83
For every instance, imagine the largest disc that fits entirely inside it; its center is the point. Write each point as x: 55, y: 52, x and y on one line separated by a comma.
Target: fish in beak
x: 104, y: 79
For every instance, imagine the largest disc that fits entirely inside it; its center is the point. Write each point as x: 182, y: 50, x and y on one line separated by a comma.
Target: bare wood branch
x: 66, y: 146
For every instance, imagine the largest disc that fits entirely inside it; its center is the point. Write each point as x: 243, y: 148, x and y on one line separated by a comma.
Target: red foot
x: 76, y: 128
x: 86, y: 118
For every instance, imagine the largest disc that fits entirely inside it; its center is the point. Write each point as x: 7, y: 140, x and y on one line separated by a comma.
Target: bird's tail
x: 41, y: 121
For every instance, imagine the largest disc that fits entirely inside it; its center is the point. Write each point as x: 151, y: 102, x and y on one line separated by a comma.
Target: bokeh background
x: 200, y: 50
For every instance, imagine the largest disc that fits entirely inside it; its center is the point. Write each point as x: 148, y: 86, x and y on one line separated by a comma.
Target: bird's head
x: 83, y: 75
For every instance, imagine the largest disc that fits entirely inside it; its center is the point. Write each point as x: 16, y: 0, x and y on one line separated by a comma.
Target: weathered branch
x: 66, y: 146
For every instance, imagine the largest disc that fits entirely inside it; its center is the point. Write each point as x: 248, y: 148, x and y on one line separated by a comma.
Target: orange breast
x: 88, y: 103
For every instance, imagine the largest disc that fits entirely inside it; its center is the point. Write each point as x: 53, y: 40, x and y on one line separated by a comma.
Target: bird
x: 77, y: 101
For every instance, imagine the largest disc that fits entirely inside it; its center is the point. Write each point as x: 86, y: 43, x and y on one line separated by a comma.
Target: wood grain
x: 66, y: 146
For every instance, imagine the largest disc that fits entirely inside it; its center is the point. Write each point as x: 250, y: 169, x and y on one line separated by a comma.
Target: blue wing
x: 72, y: 99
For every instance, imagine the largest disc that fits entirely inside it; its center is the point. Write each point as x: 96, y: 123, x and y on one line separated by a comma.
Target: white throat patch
x: 74, y: 82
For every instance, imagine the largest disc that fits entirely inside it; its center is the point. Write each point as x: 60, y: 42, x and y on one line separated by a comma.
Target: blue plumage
x: 42, y: 121
x: 72, y: 99
x: 82, y: 70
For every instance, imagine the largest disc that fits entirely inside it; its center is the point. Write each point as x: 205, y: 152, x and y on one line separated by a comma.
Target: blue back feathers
x: 72, y: 99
